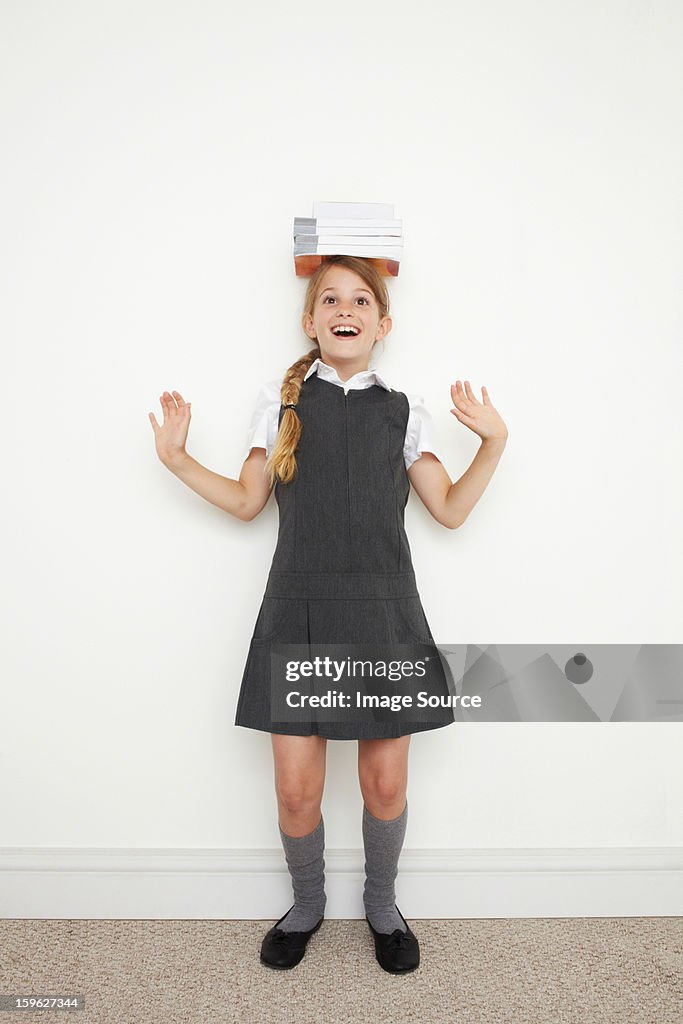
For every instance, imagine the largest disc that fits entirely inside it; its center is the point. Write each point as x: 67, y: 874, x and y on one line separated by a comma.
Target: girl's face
x: 344, y: 299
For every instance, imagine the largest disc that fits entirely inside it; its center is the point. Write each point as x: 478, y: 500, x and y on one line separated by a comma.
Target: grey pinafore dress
x: 342, y: 569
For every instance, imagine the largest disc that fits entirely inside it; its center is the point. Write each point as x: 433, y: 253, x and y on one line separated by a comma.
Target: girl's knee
x: 298, y: 796
x: 383, y: 790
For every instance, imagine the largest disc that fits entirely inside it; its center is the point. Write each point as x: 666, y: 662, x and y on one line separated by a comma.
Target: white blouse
x: 263, y: 428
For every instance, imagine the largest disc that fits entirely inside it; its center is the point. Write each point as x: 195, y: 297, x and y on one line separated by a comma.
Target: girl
x: 341, y: 448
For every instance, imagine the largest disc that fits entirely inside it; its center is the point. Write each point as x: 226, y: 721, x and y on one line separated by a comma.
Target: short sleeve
x: 263, y: 427
x: 420, y: 432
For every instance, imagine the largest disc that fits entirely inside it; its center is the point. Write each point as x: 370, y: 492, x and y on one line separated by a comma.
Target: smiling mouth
x: 345, y: 332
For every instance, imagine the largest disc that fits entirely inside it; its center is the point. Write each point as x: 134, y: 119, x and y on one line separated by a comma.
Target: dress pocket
x: 272, y: 619
x: 412, y: 619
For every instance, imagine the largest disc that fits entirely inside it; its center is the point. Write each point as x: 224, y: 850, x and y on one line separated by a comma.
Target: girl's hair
x: 281, y: 463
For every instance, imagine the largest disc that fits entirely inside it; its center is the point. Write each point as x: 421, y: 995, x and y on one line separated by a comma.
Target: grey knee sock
x: 304, y: 855
x: 383, y: 841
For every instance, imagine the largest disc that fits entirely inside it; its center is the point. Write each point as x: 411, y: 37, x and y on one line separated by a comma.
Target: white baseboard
x: 254, y: 884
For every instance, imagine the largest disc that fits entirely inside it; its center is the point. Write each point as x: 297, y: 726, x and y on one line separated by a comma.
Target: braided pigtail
x: 281, y: 463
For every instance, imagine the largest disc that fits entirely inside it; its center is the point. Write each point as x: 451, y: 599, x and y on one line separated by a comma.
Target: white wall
x: 155, y: 155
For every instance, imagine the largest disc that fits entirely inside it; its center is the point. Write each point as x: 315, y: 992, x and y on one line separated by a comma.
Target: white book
x: 390, y: 252
x: 378, y: 211
x: 311, y: 226
x: 350, y: 239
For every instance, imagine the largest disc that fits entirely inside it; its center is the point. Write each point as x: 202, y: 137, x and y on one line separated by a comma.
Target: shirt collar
x: 361, y: 378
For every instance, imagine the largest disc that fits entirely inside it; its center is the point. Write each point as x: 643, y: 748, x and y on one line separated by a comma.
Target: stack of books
x: 351, y: 229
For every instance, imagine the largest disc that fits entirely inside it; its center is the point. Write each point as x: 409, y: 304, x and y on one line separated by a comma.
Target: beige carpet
x: 579, y: 971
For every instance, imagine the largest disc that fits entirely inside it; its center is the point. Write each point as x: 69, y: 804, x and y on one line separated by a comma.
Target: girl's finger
x: 459, y: 393
x: 470, y: 393
x: 179, y: 398
x: 464, y: 398
x: 485, y: 395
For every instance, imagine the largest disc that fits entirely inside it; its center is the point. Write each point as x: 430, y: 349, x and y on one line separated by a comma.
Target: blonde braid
x: 281, y: 463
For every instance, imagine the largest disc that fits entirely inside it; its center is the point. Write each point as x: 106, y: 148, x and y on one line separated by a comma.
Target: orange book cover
x: 306, y: 264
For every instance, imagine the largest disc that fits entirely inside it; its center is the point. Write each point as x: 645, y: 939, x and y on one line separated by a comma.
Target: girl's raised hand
x: 171, y: 436
x: 480, y: 417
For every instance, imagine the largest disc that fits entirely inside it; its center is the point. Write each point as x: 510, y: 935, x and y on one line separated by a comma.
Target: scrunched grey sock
x: 304, y: 855
x: 383, y: 841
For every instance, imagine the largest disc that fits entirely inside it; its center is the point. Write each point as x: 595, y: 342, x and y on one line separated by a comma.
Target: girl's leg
x: 299, y: 768
x: 383, y: 777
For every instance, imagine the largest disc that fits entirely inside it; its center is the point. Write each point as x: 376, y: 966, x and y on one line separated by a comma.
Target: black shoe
x: 397, y: 952
x: 283, y: 950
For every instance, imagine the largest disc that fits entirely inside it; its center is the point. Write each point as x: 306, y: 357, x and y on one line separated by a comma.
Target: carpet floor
x: 478, y: 971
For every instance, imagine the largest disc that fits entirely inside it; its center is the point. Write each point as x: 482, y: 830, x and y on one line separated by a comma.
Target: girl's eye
x: 362, y: 297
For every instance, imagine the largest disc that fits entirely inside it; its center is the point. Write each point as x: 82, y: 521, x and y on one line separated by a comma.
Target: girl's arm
x: 451, y: 503
x: 243, y: 498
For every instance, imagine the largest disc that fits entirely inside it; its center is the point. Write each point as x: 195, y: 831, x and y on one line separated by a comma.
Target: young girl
x: 341, y: 448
